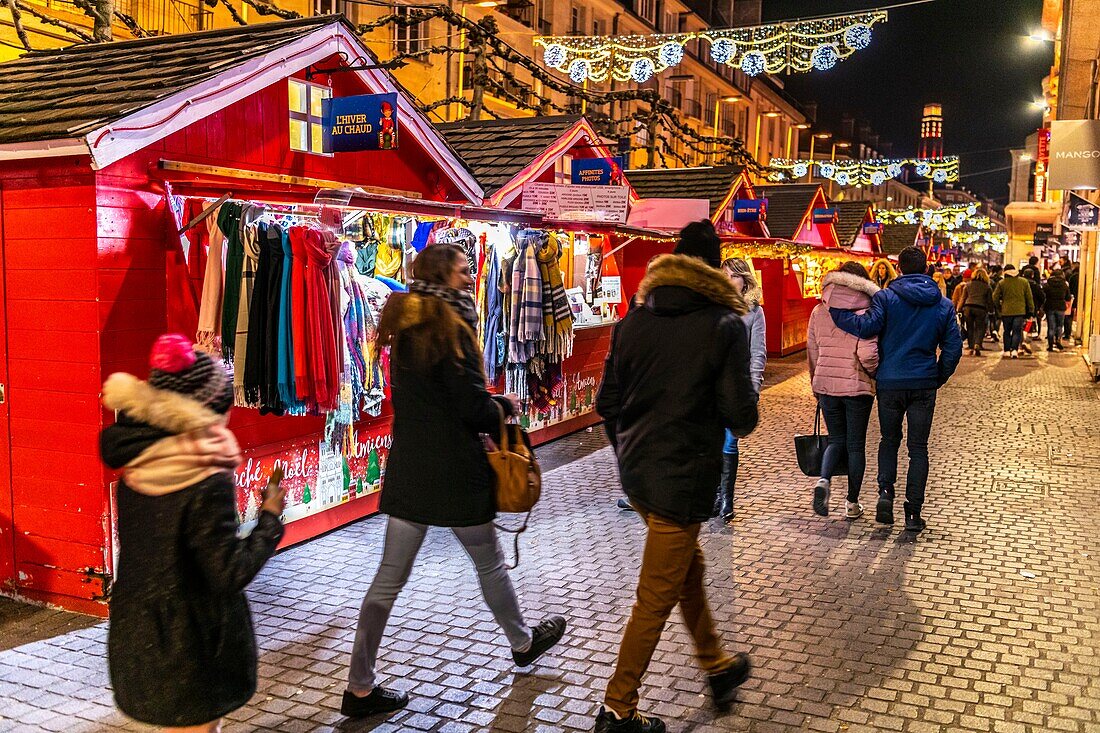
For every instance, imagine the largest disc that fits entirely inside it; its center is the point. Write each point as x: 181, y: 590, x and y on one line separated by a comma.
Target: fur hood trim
x: 692, y: 273
x: 854, y: 282
x: 164, y: 409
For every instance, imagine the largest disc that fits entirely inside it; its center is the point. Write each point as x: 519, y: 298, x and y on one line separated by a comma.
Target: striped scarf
x: 556, y: 314
x: 460, y: 301
x: 526, y: 317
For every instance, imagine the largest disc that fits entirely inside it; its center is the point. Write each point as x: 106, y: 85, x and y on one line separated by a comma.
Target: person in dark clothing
x: 954, y: 280
x: 995, y: 277
x: 1032, y: 266
x: 1072, y: 279
x: 666, y: 418
x: 1037, y: 297
x: 912, y: 321
x: 180, y: 645
x: 437, y: 473
x: 1055, y: 296
x: 976, y: 304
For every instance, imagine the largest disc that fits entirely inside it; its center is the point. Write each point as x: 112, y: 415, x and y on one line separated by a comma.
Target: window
x: 647, y: 9
x: 577, y: 25
x: 522, y: 11
x: 409, y: 38
x: 306, y: 128
x: 328, y: 7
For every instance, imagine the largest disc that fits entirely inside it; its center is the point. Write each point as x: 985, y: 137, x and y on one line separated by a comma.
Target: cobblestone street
x: 988, y: 621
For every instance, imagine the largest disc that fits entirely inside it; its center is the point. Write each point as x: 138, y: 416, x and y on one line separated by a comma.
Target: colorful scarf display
x: 556, y: 313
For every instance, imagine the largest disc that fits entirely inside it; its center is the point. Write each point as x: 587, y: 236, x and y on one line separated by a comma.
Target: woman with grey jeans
x: 437, y: 473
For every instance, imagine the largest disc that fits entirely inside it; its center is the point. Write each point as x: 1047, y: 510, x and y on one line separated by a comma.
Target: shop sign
x: 750, y: 209
x: 872, y: 227
x: 1074, y: 155
x: 598, y: 171
x: 360, y: 122
x: 1082, y: 215
x: 577, y: 203
x: 1043, y: 232
x: 1044, y: 146
x: 1070, y: 239
x: 825, y: 216
x: 316, y: 478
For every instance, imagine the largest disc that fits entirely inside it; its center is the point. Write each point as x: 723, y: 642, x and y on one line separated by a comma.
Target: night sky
x: 971, y: 55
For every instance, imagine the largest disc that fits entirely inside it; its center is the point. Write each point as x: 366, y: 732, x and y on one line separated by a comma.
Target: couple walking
x: 902, y: 342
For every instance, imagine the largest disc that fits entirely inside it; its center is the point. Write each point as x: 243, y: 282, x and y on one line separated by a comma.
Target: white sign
x: 612, y: 289
x: 668, y: 214
x: 577, y: 203
x: 1074, y: 154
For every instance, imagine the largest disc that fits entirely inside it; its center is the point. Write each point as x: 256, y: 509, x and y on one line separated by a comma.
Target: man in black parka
x: 677, y: 376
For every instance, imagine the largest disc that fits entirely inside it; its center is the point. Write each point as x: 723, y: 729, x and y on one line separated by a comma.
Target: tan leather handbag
x: 517, y: 475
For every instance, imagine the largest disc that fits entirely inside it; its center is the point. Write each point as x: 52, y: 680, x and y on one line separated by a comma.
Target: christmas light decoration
x: 873, y: 172
x: 642, y: 71
x: 798, y: 46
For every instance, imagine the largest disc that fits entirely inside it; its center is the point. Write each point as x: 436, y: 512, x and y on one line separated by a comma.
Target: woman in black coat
x: 180, y: 646
x: 437, y: 473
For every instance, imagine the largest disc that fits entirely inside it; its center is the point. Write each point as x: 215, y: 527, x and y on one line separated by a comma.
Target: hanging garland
x: 873, y: 172
x: 798, y: 46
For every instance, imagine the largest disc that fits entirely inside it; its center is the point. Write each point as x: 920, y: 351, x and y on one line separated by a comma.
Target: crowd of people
x: 181, y: 648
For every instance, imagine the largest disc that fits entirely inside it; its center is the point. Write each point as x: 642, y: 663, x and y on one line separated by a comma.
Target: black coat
x: 1056, y: 293
x: 676, y: 377
x: 437, y: 472
x: 1036, y: 295
x: 180, y: 646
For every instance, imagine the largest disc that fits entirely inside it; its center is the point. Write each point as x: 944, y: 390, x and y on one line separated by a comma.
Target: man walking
x: 1014, y: 301
x: 666, y: 416
x: 912, y: 321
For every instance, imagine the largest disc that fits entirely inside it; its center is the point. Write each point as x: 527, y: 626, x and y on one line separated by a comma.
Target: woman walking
x: 883, y: 272
x: 744, y: 281
x: 842, y: 369
x: 437, y: 473
x: 180, y: 645
x: 977, y: 301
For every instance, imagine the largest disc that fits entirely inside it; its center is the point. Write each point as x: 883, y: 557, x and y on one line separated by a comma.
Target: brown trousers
x: 672, y: 573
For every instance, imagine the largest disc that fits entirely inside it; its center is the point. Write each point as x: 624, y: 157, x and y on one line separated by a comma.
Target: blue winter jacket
x: 912, y: 320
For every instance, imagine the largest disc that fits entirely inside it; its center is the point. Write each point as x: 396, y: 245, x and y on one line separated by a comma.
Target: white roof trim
x: 111, y: 143
x: 44, y: 149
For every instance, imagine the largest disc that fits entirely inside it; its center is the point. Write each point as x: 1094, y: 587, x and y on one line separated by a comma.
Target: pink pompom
x: 172, y: 353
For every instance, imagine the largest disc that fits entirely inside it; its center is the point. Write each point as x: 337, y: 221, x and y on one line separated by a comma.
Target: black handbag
x: 810, y: 450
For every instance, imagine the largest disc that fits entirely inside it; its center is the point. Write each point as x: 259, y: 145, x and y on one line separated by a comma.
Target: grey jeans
x: 403, y: 541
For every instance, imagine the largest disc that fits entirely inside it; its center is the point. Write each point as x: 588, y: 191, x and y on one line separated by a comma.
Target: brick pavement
x: 988, y: 621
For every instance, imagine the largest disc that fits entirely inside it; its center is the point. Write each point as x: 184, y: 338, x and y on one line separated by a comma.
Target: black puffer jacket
x: 1056, y: 292
x: 437, y: 472
x: 180, y: 646
x: 677, y: 375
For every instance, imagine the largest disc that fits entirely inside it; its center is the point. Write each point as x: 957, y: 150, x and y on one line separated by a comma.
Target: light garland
x: 961, y: 224
x: 873, y: 172
x: 781, y: 47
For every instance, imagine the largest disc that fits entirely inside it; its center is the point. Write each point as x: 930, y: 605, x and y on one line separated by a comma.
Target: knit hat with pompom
x: 175, y: 365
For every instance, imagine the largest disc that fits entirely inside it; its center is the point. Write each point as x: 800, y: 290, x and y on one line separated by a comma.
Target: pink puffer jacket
x: 841, y: 365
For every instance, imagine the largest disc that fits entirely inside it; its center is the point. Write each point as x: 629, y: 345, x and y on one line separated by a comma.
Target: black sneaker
x: 723, y: 685
x: 913, y: 521
x: 884, y: 511
x: 380, y: 700
x: 624, y: 504
x: 636, y: 723
x: 543, y: 637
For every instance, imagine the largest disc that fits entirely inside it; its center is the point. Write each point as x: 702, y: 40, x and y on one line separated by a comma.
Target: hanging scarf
x: 285, y: 330
x: 261, y: 366
x: 527, y: 322
x: 251, y: 236
x: 460, y: 301
x: 303, y: 383
x: 375, y: 296
x: 556, y: 313
x: 208, y: 337
x: 229, y: 221
x: 388, y: 259
x: 322, y: 320
x: 492, y: 333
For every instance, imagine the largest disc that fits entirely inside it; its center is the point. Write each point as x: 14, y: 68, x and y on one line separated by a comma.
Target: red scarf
x: 324, y: 331
x: 303, y: 383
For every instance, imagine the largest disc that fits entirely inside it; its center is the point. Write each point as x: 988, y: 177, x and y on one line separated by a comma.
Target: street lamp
x: 718, y: 116
x: 799, y: 126
x: 813, y: 139
x: 756, y: 146
x: 832, y: 159
x: 462, y: 40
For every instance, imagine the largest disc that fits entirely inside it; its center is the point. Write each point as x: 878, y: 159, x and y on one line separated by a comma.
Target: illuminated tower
x: 931, y: 131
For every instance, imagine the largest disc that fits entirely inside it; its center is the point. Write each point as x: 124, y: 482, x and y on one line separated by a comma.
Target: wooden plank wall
x: 60, y: 506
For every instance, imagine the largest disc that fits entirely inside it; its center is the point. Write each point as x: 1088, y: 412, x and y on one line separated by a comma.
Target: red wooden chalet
x: 92, y: 138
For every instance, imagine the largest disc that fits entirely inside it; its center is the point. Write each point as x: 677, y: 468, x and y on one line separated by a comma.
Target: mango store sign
x: 577, y: 203
x: 361, y: 122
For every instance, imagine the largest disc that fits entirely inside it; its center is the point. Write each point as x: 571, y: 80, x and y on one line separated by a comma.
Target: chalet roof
x: 787, y: 206
x: 68, y: 92
x: 896, y: 237
x: 497, y: 150
x: 711, y: 183
x: 850, y: 216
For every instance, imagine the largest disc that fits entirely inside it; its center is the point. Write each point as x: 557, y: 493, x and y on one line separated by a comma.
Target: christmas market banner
x: 360, y: 122
x: 597, y: 172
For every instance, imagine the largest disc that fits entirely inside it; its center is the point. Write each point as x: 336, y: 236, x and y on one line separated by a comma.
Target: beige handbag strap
x: 503, y: 427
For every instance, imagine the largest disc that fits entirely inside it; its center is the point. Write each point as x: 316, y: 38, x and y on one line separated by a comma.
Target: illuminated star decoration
x: 796, y: 46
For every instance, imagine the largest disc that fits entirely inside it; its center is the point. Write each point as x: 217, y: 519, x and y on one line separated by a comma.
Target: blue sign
x: 362, y: 122
x: 872, y: 227
x: 598, y: 171
x: 750, y: 209
x: 1082, y: 215
x: 825, y: 216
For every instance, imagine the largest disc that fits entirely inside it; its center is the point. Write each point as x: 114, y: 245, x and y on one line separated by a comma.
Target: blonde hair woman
x: 883, y: 272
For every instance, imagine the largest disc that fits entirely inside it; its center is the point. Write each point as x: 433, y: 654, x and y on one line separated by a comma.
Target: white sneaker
x: 854, y: 510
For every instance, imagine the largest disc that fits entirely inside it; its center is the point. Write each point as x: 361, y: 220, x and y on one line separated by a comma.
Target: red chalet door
x: 7, y: 506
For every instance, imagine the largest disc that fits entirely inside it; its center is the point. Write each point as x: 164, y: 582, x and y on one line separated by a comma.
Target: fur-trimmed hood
x: 169, y: 411
x: 692, y: 273
x: 847, y: 291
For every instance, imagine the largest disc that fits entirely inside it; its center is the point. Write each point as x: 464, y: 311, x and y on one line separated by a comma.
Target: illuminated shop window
x: 306, y: 128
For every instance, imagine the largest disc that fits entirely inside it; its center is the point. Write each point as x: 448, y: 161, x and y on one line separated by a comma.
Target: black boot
x: 725, y: 489
x: 884, y: 510
x: 913, y: 521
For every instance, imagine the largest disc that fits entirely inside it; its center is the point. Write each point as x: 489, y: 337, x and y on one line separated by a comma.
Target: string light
x: 578, y: 71
x: 863, y: 172
x: 780, y: 47
x: 642, y: 71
